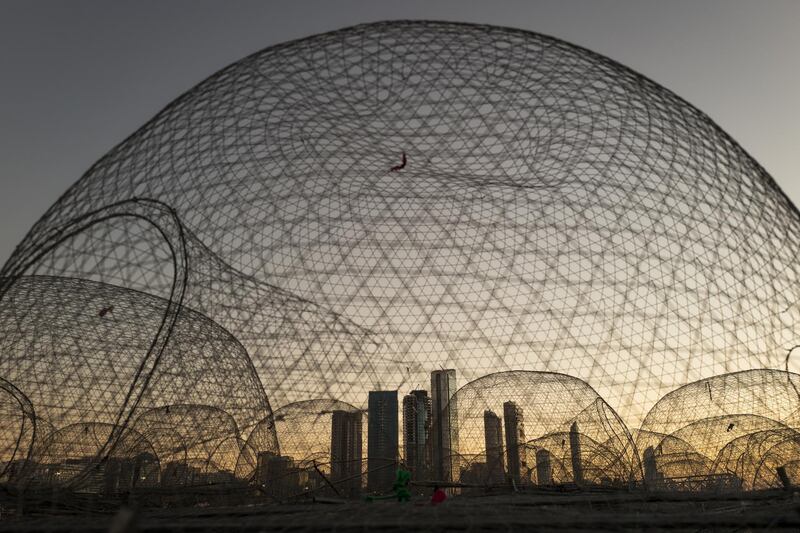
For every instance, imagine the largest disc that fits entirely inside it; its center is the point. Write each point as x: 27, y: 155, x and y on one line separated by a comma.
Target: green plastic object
x: 399, y: 488
x: 401, y: 484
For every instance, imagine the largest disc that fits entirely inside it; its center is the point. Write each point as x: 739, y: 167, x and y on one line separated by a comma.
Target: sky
x: 80, y: 76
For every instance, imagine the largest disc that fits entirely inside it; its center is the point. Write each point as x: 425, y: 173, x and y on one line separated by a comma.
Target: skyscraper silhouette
x: 575, y: 453
x: 382, y: 440
x: 346, y: 448
x: 493, y: 437
x: 445, y: 423
x: 544, y: 467
x: 416, y: 431
x: 515, y: 441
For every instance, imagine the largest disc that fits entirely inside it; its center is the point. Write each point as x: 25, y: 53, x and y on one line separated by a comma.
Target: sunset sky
x: 80, y: 76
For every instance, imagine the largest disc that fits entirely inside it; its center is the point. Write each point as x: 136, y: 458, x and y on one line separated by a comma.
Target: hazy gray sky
x: 78, y: 76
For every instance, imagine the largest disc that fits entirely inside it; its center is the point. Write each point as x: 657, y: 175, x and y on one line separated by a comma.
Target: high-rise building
x: 651, y: 474
x: 544, y: 467
x: 346, y: 452
x: 444, y: 434
x: 515, y: 441
x: 493, y: 437
x: 382, y: 440
x: 416, y: 432
x: 575, y: 453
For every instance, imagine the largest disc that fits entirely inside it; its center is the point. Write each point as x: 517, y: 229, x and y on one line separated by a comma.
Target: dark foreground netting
x: 382, y: 207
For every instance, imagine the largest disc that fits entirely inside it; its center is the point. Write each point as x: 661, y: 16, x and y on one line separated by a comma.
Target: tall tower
x: 382, y: 440
x: 346, y: 452
x: 651, y: 476
x: 493, y: 438
x: 515, y: 440
x: 444, y: 436
x: 544, y: 467
x: 575, y: 452
x: 416, y: 431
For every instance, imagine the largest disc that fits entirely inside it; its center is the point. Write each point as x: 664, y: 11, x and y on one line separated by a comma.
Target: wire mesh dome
x: 78, y: 357
x: 762, y: 394
x: 715, y: 429
x: 754, y: 458
x: 513, y: 422
x: 360, y: 207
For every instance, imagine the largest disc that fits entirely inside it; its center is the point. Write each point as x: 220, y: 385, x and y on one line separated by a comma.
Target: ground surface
x: 517, y: 512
